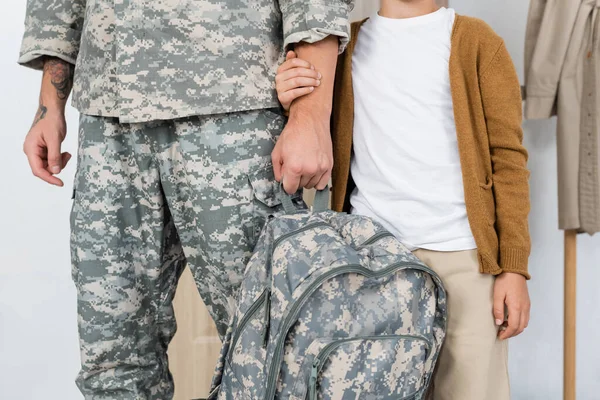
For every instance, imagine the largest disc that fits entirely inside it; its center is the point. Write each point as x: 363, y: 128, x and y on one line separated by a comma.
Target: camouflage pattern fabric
x: 144, y: 60
x: 149, y: 199
x: 332, y: 306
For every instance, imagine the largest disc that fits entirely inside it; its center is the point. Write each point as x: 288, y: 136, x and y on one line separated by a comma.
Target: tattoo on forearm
x: 61, y: 76
x: 41, y: 113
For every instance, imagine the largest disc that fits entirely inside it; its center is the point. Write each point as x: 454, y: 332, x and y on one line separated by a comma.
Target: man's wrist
x: 302, y: 112
x: 54, y: 106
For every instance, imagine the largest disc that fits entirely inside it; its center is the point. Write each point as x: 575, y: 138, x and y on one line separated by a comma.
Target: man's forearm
x: 60, y: 75
x: 323, y: 55
x: 57, y: 82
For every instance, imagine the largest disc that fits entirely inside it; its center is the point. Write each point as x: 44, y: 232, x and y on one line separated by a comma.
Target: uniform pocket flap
x: 265, y: 187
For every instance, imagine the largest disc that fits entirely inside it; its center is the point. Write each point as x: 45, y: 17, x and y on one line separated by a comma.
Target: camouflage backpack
x: 332, y: 306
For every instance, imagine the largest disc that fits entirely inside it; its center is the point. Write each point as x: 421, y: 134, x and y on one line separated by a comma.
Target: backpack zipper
x: 369, y: 241
x: 330, y: 347
x: 246, y: 318
x: 375, y: 238
x: 297, y: 231
x: 267, y: 318
x: 288, y: 322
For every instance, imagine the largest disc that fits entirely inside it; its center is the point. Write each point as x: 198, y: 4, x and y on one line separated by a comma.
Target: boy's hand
x: 510, y: 289
x: 295, y: 78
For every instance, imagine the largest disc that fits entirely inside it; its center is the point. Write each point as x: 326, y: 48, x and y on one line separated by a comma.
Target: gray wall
x: 363, y: 8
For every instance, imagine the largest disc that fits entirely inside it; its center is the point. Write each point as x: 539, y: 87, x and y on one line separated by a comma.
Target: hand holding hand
x: 295, y: 78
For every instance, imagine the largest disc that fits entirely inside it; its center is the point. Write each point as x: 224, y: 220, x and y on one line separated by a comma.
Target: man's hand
x: 43, y: 142
x: 510, y: 289
x: 303, y: 155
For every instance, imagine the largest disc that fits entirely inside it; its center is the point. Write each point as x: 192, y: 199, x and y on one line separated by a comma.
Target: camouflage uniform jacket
x: 142, y: 60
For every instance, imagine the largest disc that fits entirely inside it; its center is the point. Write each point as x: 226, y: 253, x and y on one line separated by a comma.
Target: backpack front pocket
x: 378, y: 367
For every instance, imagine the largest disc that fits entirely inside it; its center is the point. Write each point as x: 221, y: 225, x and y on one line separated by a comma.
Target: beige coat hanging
x: 562, y: 76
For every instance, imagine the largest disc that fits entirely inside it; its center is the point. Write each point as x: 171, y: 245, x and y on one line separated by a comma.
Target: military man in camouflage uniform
x: 180, y: 145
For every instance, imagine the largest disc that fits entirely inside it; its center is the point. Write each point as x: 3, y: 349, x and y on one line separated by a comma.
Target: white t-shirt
x: 406, y: 163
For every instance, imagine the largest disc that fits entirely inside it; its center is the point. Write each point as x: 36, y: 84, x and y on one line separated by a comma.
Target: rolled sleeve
x: 311, y: 21
x: 52, y: 28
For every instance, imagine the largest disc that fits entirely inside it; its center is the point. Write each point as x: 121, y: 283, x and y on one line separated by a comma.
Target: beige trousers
x: 473, y: 362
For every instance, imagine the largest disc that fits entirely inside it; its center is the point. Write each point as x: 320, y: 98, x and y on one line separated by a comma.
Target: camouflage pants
x: 150, y: 199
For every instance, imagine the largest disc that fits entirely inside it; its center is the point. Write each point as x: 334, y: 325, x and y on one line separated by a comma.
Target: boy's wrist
x: 515, y: 260
x: 514, y: 274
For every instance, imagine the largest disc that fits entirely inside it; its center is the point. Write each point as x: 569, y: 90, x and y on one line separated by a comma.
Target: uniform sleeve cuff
x: 515, y: 261
x: 63, y: 44
x: 314, y: 20
x: 35, y: 59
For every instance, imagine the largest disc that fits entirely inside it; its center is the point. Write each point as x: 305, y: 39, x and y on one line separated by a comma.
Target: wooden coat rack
x: 570, y: 312
x: 570, y: 309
